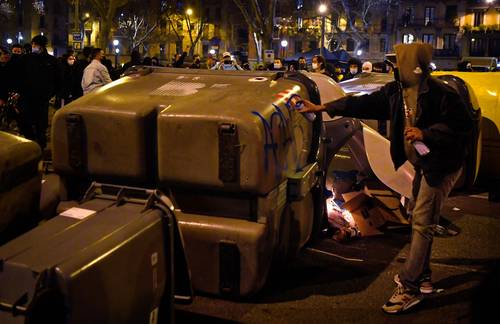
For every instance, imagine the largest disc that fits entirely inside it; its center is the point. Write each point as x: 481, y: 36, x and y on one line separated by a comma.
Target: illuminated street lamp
x: 87, y: 15
x: 322, y: 9
x: 9, y: 41
x: 116, y: 42
x: 189, y: 12
x: 284, y: 44
x: 359, y: 52
x: 212, y: 52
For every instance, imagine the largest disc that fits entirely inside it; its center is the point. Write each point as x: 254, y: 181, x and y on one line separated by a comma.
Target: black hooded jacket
x: 40, y: 76
x: 442, y: 117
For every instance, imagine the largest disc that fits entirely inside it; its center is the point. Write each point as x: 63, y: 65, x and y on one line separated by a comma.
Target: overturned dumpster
x: 241, y: 166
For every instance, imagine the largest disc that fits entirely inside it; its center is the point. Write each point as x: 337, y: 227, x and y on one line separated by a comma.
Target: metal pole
x: 321, y: 50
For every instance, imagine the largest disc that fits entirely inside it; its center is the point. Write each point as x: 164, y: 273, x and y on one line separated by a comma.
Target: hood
x: 413, y: 62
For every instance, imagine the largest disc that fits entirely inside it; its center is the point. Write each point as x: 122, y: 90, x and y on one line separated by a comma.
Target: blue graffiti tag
x: 270, y: 145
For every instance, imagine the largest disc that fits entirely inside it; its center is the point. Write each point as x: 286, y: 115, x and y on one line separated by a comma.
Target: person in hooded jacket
x: 354, y: 69
x: 430, y: 125
x: 40, y: 79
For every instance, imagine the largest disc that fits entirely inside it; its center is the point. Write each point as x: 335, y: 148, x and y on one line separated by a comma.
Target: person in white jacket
x: 95, y: 74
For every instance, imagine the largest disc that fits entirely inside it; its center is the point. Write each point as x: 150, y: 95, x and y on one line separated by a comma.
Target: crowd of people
x: 30, y: 77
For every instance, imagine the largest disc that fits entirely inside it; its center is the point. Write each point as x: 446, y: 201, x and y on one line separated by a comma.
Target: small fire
x: 335, y: 212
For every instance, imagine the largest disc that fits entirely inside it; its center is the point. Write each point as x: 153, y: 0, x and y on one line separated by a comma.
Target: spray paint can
x: 297, y: 103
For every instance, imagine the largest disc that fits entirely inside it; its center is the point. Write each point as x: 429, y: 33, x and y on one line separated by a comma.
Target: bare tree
x: 136, y: 29
x: 6, y: 9
x: 259, y: 15
x: 106, y: 10
x: 355, y: 11
x: 195, y: 25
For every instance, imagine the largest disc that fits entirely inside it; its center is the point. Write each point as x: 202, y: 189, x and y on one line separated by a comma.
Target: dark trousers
x: 34, y: 119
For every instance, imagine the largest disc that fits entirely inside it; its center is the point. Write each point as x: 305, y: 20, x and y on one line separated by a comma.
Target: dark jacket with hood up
x: 441, y: 115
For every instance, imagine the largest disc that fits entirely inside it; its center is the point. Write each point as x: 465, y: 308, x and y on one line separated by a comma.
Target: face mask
x: 315, y: 66
x: 228, y: 66
x: 35, y: 49
x: 277, y: 65
x: 353, y: 70
x: 71, y: 62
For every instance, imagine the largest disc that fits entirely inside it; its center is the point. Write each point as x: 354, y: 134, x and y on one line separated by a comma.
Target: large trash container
x: 240, y: 164
x: 20, y: 184
x: 108, y: 260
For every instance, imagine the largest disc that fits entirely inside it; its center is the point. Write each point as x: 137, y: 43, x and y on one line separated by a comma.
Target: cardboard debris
x: 371, y: 209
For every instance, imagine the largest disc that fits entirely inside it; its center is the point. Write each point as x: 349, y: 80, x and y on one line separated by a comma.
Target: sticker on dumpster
x: 220, y: 85
x: 78, y: 213
x: 178, y: 89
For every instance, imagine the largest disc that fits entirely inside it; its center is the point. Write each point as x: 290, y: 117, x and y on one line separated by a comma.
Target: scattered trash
x: 346, y: 234
x: 456, y: 209
x: 445, y: 231
x: 438, y: 291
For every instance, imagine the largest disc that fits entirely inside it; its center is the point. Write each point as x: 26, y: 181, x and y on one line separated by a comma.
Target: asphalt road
x: 348, y: 282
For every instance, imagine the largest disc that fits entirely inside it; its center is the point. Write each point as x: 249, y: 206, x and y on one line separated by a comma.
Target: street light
x: 117, y: 51
x: 322, y: 9
x: 284, y: 44
x: 212, y: 52
x: 359, y: 52
x: 87, y: 15
x: 189, y: 12
x: 116, y: 42
x: 9, y: 41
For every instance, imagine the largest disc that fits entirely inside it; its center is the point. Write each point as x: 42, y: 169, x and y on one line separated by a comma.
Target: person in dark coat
x: 319, y: 66
x: 82, y: 61
x: 179, y: 60
x: 196, y: 62
x: 71, y: 87
x: 135, y: 59
x: 40, y: 79
x: 424, y: 112
x: 354, y: 69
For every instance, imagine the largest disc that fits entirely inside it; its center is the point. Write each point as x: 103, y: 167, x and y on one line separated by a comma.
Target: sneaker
x: 401, y: 300
x: 426, y: 286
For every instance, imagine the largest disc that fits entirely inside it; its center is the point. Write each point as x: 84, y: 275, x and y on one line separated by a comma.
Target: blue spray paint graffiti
x: 277, y: 119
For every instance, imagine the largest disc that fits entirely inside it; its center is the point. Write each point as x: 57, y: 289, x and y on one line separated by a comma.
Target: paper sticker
x: 220, y: 85
x: 78, y: 213
x: 178, y: 89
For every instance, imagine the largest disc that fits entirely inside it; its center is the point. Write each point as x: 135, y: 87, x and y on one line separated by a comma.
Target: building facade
x: 26, y: 19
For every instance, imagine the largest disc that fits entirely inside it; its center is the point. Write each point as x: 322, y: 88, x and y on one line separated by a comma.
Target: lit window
x: 408, y: 38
